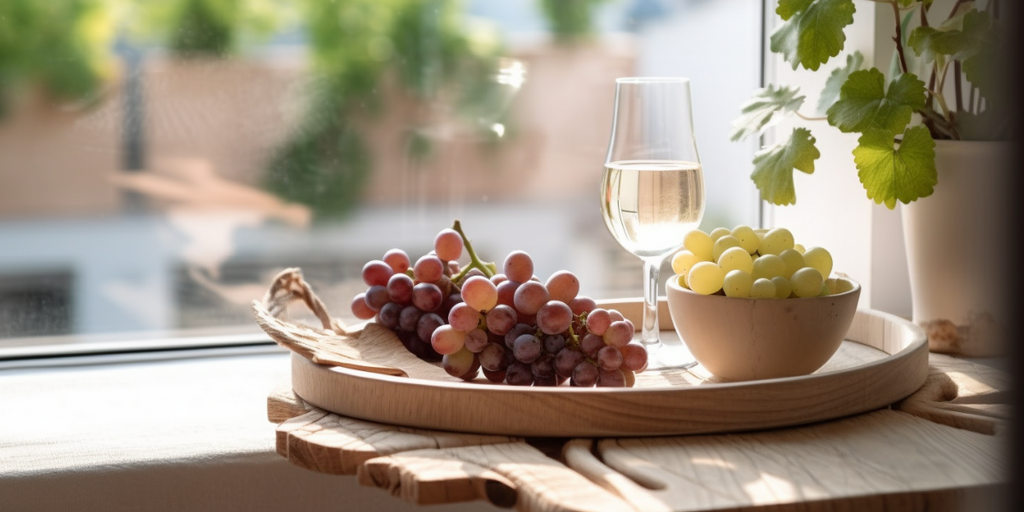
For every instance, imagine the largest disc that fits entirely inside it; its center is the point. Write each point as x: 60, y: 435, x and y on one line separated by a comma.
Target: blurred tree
x: 570, y: 20
x: 354, y: 44
x: 204, y: 28
x: 60, y: 46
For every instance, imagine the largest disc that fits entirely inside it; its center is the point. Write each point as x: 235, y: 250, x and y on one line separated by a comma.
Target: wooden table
x: 942, y: 448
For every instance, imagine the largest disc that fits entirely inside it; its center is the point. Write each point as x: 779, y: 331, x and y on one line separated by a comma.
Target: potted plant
x: 941, y: 111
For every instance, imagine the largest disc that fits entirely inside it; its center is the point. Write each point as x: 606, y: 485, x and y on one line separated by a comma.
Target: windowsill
x: 184, y: 433
x: 174, y: 434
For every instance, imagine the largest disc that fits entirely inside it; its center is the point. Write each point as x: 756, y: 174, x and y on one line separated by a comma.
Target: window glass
x: 160, y: 162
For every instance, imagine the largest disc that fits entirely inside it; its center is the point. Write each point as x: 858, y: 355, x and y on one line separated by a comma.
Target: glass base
x: 662, y: 356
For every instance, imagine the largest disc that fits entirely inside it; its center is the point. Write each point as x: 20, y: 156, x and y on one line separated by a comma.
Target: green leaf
x: 865, y: 104
x: 891, y: 174
x: 956, y: 21
x: 762, y: 108
x: 773, y: 166
x: 984, y: 63
x: 787, y: 8
x: 813, y: 31
x: 836, y: 80
x: 931, y: 44
x: 960, y: 37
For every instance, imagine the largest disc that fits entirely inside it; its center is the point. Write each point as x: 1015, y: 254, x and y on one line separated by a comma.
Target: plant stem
x: 946, y: 114
x: 956, y: 86
x: 474, y: 261
x: 808, y: 118
x: 899, y: 36
x: 931, y: 85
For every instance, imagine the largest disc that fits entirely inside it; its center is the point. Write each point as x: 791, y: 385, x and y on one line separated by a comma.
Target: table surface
x: 941, y: 448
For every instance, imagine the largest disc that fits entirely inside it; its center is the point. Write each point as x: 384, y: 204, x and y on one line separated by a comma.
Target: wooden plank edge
x: 579, y: 457
x: 283, y: 404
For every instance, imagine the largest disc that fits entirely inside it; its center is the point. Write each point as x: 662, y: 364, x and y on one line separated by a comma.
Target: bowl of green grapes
x: 752, y: 304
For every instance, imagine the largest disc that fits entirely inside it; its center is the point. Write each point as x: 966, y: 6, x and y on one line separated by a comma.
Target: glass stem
x: 650, y: 335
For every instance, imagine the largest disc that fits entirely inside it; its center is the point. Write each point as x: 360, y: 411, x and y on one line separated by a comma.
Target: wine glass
x: 652, y: 192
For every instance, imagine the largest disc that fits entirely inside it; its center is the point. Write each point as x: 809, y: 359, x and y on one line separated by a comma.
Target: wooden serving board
x: 902, y: 458
x: 884, y: 359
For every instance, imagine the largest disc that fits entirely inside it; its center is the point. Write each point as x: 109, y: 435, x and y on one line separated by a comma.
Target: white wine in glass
x: 652, y: 192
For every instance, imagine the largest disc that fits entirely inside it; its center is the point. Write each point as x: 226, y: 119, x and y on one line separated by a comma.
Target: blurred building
x: 88, y: 245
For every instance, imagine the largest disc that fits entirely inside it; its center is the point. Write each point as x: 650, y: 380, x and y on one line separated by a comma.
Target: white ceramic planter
x: 957, y: 243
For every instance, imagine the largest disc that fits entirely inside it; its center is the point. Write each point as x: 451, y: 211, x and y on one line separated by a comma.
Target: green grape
x: 825, y: 292
x: 776, y: 241
x: 718, y: 233
x: 737, y: 284
x: 683, y: 261
x: 768, y: 266
x: 799, y: 248
x: 794, y: 261
x: 762, y: 289
x: 747, y: 237
x: 705, y: 278
x: 722, y: 244
x: 699, y: 243
x: 819, y: 259
x: 736, y: 258
x: 838, y: 285
x: 782, y: 287
x: 681, y: 279
x: 807, y: 282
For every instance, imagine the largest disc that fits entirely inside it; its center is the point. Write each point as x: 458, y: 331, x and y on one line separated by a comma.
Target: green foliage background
x: 325, y: 163
x: 60, y: 45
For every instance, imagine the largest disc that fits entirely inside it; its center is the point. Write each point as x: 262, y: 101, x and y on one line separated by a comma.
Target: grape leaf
x: 985, y: 66
x: 787, y: 8
x: 762, y: 108
x: 970, y: 37
x: 956, y: 21
x: 864, y: 103
x: 812, y: 32
x: 956, y: 37
x: 773, y: 166
x: 835, y: 81
x: 893, y: 174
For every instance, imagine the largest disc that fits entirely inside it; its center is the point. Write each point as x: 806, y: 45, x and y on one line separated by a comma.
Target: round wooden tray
x: 884, y: 359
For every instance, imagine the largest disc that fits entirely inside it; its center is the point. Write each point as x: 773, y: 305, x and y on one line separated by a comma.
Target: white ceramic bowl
x: 746, y: 339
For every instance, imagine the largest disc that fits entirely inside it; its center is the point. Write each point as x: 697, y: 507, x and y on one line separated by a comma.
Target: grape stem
x: 488, y: 268
x: 574, y: 340
x: 572, y: 332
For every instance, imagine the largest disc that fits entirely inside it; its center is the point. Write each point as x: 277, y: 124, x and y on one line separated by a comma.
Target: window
x: 168, y: 158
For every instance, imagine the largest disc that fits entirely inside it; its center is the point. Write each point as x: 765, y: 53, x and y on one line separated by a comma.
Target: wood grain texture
x: 578, y: 455
x: 665, y: 405
x: 962, y: 394
x: 458, y: 474
x: 885, y: 458
x: 370, y: 348
x: 284, y: 404
x: 328, y: 443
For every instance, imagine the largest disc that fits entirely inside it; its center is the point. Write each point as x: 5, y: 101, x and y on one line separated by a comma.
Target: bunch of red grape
x: 510, y: 325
